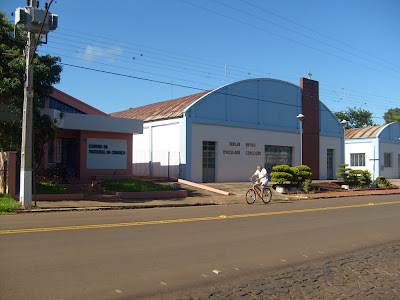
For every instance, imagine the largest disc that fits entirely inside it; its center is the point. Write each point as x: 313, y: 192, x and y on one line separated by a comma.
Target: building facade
x: 89, y: 143
x: 223, y: 134
x: 375, y: 148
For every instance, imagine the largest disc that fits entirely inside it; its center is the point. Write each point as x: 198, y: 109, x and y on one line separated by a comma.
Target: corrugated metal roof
x: 363, y: 132
x: 162, y: 110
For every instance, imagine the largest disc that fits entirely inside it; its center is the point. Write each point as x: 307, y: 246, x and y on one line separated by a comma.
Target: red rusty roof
x: 162, y: 110
x: 363, y: 132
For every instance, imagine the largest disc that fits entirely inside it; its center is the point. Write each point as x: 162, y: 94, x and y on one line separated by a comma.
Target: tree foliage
x: 356, y: 117
x: 12, y: 71
x: 392, y: 115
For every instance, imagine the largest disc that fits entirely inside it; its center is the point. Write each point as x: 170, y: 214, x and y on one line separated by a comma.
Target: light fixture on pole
x: 344, y: 123
x: 301, y: 118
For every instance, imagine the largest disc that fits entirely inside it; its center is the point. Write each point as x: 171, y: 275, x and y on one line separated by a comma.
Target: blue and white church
x: 223, y: 134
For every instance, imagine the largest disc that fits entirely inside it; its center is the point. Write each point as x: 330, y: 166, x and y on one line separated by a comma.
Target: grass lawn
x: 8, y: 204
x: 132, y: 185
x: 47, y: 187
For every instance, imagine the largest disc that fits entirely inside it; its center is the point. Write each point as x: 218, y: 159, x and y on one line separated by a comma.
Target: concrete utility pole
x: 35, y: 21
x: 25, y: 191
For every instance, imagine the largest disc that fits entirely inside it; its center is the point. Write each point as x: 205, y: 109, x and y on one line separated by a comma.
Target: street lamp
x: 344, y: 123
x: 301, y: 118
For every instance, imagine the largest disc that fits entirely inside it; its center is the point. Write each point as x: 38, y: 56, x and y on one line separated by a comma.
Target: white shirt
x: 262, y: 173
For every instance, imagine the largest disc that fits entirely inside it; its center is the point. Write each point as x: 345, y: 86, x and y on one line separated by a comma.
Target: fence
x: 156, y: 163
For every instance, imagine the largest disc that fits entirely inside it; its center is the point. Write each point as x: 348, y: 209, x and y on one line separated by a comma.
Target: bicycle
x: 255, y: 192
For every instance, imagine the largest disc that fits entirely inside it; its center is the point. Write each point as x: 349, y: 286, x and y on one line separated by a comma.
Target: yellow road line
x: 78, y: 227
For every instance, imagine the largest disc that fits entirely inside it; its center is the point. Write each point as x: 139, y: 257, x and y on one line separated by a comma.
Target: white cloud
x: 93, y: 52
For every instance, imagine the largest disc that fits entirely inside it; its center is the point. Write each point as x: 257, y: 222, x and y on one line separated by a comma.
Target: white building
x: 375, y: 148
x: 223, y: 134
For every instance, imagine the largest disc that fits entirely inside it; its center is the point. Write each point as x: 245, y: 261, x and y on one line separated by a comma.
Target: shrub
x: 381, y: 182
x: 295, y: 175
x: 61, y: 172
x: 306, y: 186
x: 282, y: 173
x: 302, y: 174
x: 366, y: 177
x: 344, y: 173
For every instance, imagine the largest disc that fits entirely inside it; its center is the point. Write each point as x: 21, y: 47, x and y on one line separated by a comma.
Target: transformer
x: 32, y: 18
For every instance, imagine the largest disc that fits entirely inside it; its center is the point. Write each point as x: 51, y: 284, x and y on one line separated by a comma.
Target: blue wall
x: 390, y: 133
x: 255, y: 103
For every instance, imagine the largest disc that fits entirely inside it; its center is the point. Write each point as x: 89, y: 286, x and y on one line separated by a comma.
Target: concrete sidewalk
x: 197, y: 197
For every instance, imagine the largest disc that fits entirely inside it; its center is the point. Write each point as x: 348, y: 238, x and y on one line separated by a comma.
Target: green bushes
x: 354, y: 178
x: 61, y: 172
x: 282, y: 173
x: 294, y: 175
x: 382, y: 182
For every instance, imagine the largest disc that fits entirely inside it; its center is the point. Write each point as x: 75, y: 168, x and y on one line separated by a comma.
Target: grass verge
x: 47, y: 187
x: 8, y: 204
x: 132, y: 185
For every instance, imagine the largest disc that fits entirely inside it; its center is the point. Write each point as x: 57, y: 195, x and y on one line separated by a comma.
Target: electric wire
x: 301, y: 34
x: 283, y: 37
x: 317, y: 32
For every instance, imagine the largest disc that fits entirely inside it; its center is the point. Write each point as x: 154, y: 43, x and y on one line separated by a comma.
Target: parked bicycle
x: 255, y: 192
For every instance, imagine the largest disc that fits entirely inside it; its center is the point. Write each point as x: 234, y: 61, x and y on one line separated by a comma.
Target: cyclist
x: 262, y: 178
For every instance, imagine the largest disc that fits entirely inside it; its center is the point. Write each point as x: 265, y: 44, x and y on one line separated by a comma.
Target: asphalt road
x: 159, y: 253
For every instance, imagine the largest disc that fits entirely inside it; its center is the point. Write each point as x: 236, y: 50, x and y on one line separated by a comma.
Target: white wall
x: 159, y: 144
x: 361, y: 146
x: 230, y: 167
x: 389, y: 172
x: 325, y: 143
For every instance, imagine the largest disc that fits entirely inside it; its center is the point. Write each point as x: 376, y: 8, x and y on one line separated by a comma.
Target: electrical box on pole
x: 34, y: 19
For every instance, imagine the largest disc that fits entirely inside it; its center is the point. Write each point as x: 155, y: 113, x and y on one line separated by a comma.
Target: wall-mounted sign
x: 237, y: 152
x: 106, y: 154
x: 233, y: 152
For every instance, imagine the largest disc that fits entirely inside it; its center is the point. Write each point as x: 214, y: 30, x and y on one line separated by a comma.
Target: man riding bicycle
x: 262, y: 178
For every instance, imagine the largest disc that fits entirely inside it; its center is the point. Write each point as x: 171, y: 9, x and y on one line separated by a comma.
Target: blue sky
x: 350, y: 47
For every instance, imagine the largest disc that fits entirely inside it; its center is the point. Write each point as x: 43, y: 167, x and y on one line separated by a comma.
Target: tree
x: 12, y: 70
x: 356, y: 117
x: 392, y: 115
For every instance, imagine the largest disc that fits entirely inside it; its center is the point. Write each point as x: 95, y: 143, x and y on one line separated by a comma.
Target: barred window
x: 388, y: 160
x: 357, y: 159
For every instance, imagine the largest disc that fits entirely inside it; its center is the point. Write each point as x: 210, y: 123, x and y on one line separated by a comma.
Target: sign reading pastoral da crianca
x: 106, y: 154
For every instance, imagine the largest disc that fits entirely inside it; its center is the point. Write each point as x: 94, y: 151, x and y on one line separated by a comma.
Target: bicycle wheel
x: 250, y: 196
x: 267, y: 195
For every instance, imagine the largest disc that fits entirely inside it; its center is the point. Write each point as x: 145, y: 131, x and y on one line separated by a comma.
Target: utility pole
x: 35, y: 21
x: 25, y: 191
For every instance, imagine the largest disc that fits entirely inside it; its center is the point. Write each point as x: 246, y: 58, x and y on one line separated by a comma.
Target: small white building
x: 375, y: 148
x: 223, y: 134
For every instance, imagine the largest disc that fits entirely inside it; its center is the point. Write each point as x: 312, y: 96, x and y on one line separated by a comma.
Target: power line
x: 283, y: 37
x: 300, y: 33
x: 317, y: 32
x: 333, y: 98
x: 178, y: 85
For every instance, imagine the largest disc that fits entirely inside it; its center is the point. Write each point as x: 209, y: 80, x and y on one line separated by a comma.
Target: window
x: 59, y: 151
x: 50, y: 153
x: 61, y: 106
x: 388, y: 160
x: 357, y: 159
x: 277, y: 155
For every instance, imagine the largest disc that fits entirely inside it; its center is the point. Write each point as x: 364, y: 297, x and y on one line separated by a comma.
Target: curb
x: 92, y: 208
x: 344, y: 196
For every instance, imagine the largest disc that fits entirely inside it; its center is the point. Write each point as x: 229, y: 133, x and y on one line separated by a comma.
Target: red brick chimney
x: 310, y: 110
